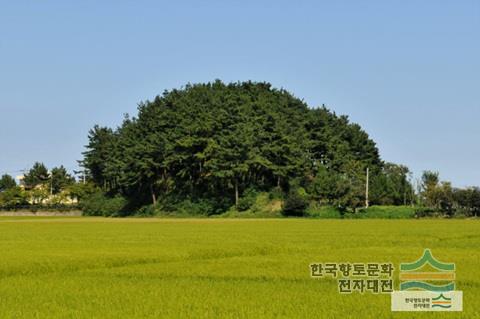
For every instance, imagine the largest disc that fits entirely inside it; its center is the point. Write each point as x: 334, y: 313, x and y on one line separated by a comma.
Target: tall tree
x: 430, y: 188
x: 99, y: 154
x: 7, y: 182
x: 37, y: 175
x: 60, y: 179
x: 391, y: 186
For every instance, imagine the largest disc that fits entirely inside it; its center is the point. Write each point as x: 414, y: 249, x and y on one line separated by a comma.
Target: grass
x: 215, y: 268
x: 323, y: 212
x: 375, y: 212
x: 263, y: 207
x: 389, y: 212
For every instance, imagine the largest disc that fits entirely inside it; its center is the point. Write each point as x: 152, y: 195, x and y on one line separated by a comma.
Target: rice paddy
x: 83, y: 267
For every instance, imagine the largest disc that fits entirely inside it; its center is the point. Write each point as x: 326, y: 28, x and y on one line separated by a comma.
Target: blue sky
x: 407, y: 71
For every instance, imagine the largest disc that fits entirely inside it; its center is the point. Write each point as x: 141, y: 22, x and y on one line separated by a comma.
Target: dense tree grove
x: 213, y: 141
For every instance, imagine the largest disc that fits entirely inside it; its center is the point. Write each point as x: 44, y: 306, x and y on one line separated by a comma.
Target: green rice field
x: 82, y: 267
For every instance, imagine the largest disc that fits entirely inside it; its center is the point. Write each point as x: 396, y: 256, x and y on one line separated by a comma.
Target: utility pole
x: 366, y: 189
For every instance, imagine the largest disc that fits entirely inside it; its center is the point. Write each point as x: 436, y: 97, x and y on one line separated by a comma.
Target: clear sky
x: 407, y: 71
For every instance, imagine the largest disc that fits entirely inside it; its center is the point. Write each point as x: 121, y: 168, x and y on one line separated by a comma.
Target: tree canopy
x: 204, y: 147
x: 215, y: 140
x: 7, y: 182
x: 37, y: 175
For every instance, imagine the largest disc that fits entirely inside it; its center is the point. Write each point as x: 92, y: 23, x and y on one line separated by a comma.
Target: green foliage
x: 276, y: 193
x: 100, y: 205
x: 7, y: 182
x: 60, y: 179
x: 186, y: 207
x: 12, y: 197
x: 82, y: 191
x: 38, y: 195
x: 467, y: 201
x: 385, y: 212
x: 199, y: 207
x: 248, y: 199
x: 37, y: 175
x: 326, y: 186
x: 295, y: 204
x: 423, y: 211
x: 440, y: 198
x: 430, y: 191
x: 100, y: 151
x: 36, y: 199
x: 149, y: 211
x: 345, y: 189
x: 265, y: 205
x: 322, y: 211
x: 391, y: 186
x: 214, y: 141
x: 351, y: 187
x: 373, y: 212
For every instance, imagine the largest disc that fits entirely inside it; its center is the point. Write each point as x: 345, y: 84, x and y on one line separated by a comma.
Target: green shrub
x: 384, y: 212
x: 263, y: 207
x: 247, y: 200
x: 302, y: 192
x: 185, y: 206
x: 148, y: 211
x: 197, y: 207
x: 294, y: 205
x: 276, y: 193
x: 321, y: 211
x: 99, y: 204
x: 425, y: 212
x: 13, y: 197
x: 200, y: 207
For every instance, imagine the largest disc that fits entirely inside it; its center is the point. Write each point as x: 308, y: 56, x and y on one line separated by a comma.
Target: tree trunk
x: 154, y: 197
x: 236, y: 193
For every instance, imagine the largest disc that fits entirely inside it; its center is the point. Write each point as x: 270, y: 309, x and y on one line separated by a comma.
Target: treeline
x: 440, y: 198
x: 209, y: 148
x: 209, y: 144
x: 43, y: 189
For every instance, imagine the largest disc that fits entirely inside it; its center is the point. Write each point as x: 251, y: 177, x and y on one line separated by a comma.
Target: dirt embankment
x: 40, y: 214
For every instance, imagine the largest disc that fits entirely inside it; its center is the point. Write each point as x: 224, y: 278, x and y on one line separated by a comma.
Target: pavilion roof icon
x: 413, y: 278
x: 427, y: 258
